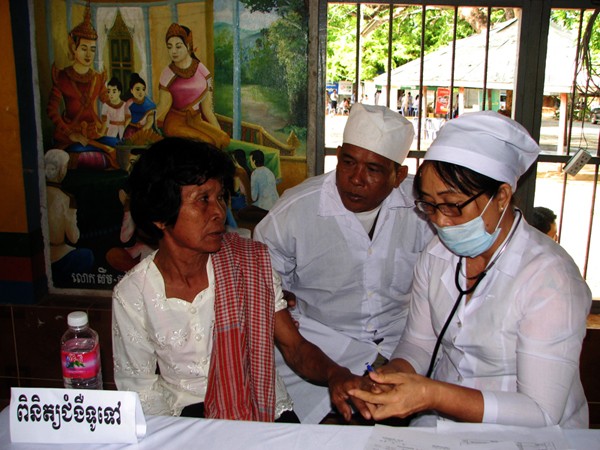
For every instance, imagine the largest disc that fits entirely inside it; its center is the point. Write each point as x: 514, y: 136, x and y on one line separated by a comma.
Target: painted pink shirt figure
x: 185, y: 104
x: 187, y: 93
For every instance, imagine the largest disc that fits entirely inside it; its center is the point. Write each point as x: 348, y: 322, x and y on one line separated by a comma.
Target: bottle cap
x: 77, y: 319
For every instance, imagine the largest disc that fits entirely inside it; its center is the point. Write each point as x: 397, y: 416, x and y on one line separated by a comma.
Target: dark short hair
x: 543, y: 218
x: 115, y: 82
x: 458, y: 177
x: 162, y: 170
x: 259, y: 157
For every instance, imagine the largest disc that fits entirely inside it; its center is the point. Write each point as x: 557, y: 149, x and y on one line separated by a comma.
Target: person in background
x: 194, y: 323
x: 263, y: 187
x: 262, y: 182
x: 333, y: 97
x: 241, y: 196
x: 498, y: 311
x: 345, y: 243
x: 544, y: 220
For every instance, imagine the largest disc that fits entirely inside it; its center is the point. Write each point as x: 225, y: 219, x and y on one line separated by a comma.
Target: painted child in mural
x: 115, y: 113
x: 185, y: 98
x: 141, y: 108
x: 79, y: 87
x: 66, y: 260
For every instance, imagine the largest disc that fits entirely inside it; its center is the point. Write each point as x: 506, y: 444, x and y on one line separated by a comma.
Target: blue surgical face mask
x: 470, y: 238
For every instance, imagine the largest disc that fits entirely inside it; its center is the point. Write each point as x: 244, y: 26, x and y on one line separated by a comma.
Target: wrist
x: 336, y: 371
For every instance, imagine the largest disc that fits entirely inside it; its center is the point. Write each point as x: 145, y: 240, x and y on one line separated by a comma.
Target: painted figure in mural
x: 135, y: 249
x: 241, y: 180
x: 141, y: 108
x: 185, y: 102
x: 115, y: 113
x: 79, y: 87
x: 263, y: 189
x: 66, y: 260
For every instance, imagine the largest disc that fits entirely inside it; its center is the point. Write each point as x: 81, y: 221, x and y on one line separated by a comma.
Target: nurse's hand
x: 340, y: 384
x: 397, y: 394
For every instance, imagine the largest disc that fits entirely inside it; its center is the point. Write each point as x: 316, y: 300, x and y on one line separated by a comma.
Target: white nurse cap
x: 380, y: 130
x: 488, y: 143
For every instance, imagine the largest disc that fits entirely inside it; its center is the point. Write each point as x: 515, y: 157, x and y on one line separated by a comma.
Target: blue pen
x: 369, y: 368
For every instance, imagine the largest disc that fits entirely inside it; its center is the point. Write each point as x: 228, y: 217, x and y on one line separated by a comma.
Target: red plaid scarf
x: 241, y: 379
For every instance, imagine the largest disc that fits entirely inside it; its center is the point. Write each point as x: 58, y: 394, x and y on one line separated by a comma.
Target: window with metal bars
x: 537, y: 62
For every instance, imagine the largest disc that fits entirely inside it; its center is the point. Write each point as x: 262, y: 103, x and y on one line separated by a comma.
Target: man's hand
x: 340, y: 383
x: 290, y: 298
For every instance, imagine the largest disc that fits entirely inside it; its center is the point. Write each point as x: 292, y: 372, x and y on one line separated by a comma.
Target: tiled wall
x: 590, y: 373
x: 30, y: 342
x: 30, y: 347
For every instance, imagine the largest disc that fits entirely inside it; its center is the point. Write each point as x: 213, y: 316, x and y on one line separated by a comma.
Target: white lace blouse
x: 150, y: 329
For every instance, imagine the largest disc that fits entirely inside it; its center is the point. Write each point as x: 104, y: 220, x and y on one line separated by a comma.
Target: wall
x: 22, y: 269
x: 30, y: 342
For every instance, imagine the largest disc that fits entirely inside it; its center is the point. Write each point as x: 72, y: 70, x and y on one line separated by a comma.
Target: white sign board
x: 345, y: 87
x: 68, y: 416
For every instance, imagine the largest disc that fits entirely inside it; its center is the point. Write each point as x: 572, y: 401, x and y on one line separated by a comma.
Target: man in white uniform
x: 345, y: 244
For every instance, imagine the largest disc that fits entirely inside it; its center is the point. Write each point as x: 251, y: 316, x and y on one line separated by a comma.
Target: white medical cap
x: 488, y: 143
x: 380, y: 130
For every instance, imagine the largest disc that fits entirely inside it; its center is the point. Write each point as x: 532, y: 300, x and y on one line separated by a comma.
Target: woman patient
x: 498, y: 310
x: 194, y: 323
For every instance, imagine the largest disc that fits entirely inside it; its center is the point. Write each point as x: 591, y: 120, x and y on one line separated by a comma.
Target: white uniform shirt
x: 149, y: 328
x: 517, y: 339
x: 351, y: 290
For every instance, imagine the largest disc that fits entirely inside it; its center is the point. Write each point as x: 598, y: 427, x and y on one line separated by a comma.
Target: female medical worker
x: 498, y: 310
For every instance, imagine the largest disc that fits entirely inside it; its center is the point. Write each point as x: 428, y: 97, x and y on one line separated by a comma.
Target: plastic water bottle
x: 80, y: 352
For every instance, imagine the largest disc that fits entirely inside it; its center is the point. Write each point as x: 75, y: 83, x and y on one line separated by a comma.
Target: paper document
x: 451, y: 436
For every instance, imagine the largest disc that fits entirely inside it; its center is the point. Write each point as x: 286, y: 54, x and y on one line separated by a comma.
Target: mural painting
x: 114, y: 78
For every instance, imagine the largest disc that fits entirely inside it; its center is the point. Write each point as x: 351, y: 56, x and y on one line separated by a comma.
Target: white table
x: 180, y: 433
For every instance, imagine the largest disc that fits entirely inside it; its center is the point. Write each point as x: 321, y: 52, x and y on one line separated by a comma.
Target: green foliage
x: 277, y: 58
x: 406, y: 36
x: 341, y: 42
x: 281, y: 7
x: 289, y: 38
x: 569, y: 19
x: 263, y: 66
x: 223, y: 55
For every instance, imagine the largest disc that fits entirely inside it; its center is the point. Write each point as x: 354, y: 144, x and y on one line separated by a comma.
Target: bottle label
x: 81, y: 364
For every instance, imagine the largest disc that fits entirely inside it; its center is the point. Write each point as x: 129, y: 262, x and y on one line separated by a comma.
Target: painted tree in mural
x: 276, y: 59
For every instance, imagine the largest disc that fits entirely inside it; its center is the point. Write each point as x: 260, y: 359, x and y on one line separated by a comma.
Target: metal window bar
x: 418, y: 154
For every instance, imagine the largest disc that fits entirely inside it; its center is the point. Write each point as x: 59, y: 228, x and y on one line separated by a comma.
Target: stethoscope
x: 462, y: 292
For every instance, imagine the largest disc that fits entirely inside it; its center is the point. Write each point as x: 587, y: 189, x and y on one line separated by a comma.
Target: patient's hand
x: 340, y: 384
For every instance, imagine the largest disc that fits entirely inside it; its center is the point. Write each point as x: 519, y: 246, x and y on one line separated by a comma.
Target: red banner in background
x: 442, y: 100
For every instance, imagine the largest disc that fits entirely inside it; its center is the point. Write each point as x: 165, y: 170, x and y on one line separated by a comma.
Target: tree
x: 287, y: 39
x: 406, y: 34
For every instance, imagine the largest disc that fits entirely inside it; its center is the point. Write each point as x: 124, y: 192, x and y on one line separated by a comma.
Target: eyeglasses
x: 447, y: 209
